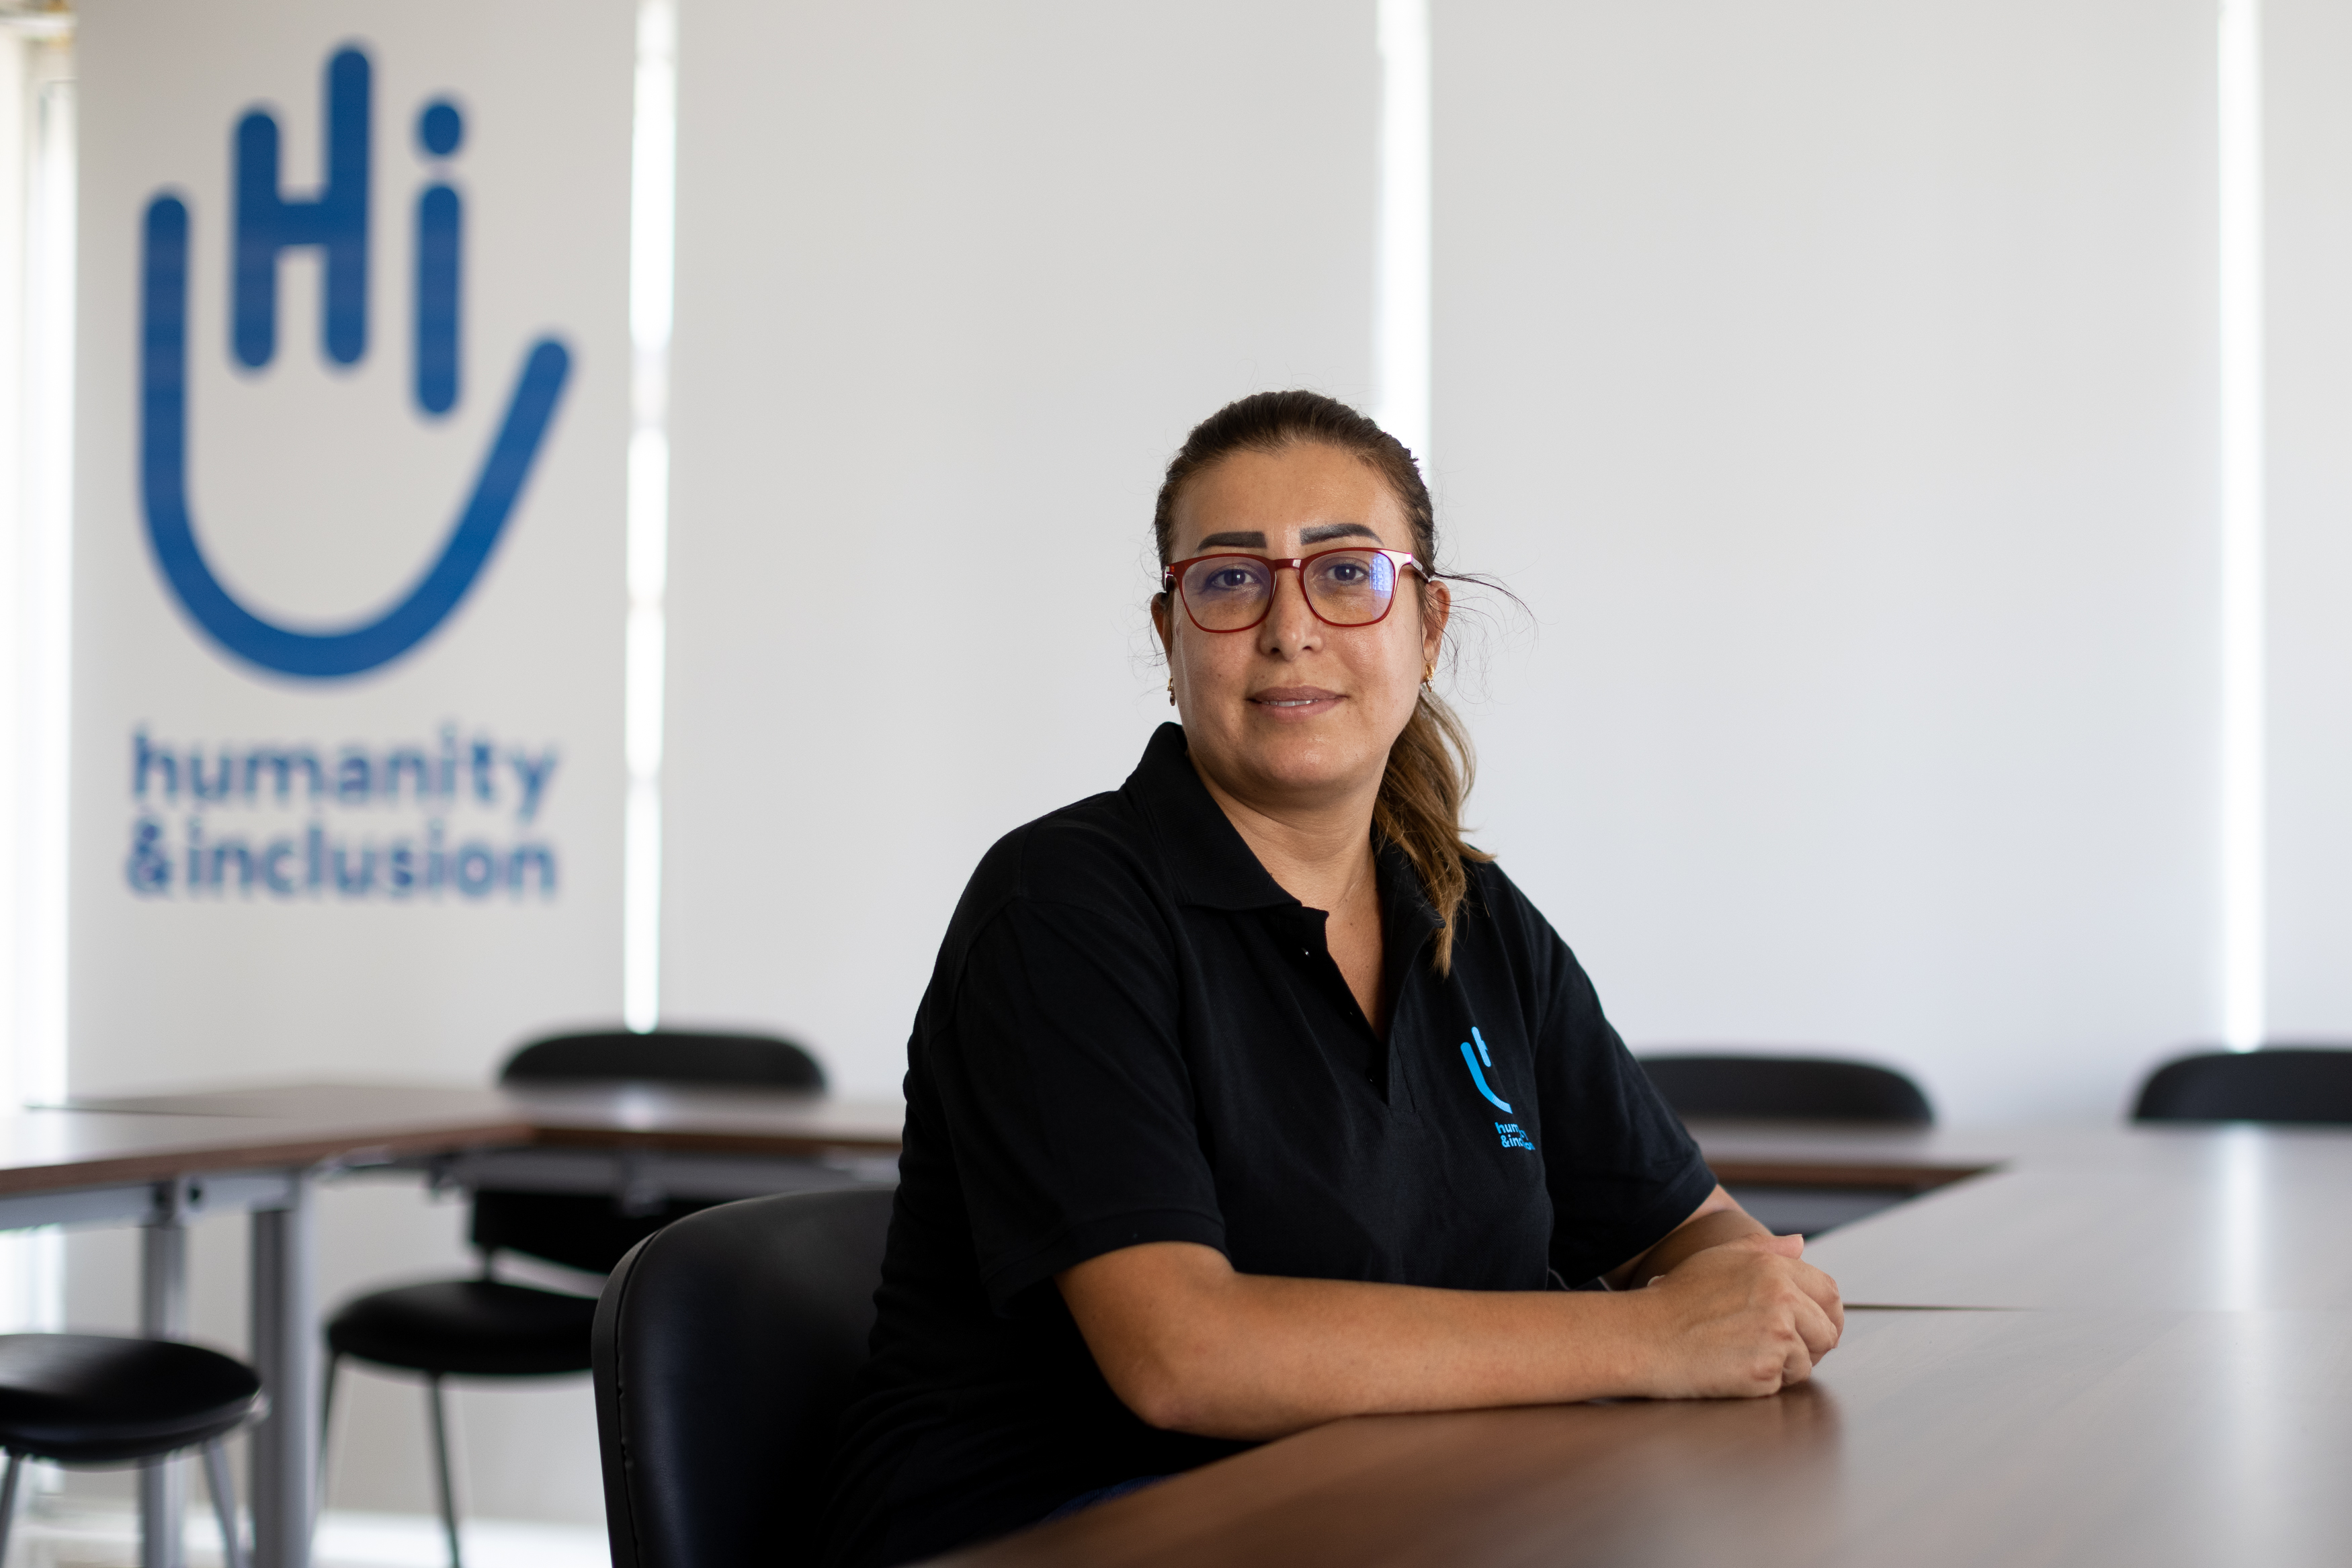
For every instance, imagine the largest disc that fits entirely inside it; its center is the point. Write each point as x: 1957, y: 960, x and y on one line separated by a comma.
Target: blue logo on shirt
x: 1472, y: 1061
x: 1512, y: 1137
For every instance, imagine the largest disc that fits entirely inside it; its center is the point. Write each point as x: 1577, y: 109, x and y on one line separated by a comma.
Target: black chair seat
x: 481, y: 1328
x: 94, y: 1399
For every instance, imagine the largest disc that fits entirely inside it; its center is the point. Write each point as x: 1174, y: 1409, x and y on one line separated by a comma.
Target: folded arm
x: 1192, y: 1346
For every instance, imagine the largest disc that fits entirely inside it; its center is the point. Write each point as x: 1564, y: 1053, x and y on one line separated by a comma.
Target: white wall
x: 16, y: 165
x: 1835, y: 380
x: 953, y: 283
x: 36, y: 202
x: 2309, y: 135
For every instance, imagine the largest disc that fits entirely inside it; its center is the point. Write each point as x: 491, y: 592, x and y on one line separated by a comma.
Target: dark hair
x: 1430, y: 767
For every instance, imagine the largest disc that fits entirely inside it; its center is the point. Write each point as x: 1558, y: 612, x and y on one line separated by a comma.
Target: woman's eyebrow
x: 1322, y: 532
x: 1251, y: 538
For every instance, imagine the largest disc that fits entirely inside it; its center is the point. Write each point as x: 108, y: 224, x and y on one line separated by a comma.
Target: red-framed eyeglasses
x: 1228, y: 592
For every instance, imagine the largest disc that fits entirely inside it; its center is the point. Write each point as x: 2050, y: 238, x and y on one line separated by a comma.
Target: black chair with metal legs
x: 725, y: 1347
x: 486, y: 1327
x: 99, y: 1400
x: 2311, y: 1084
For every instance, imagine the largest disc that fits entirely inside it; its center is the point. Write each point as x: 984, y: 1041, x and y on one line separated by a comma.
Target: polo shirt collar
x: 1408, y: 920
x: 1212, y: 866
x: 1207, y: 858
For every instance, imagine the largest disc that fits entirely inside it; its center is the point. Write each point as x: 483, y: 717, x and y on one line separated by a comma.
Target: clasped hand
x: 1747, y: 1317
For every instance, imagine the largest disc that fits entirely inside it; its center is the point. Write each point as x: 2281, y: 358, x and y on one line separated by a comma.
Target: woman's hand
x: 1749, y: 1317
x: 1192, y: 1346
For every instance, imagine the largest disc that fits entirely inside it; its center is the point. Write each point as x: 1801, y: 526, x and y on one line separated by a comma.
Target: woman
x: 1250, y: 1096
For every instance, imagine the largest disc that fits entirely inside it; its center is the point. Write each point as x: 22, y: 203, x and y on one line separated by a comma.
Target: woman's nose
x: 1290, y: 624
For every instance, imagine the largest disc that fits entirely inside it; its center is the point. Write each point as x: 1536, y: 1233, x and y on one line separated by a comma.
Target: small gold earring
x: 1171, y: 691
x: 1428, y: 672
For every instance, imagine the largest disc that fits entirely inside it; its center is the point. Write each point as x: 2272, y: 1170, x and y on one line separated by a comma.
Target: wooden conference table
x: 158, y: 1161
x: 2077, y: 1348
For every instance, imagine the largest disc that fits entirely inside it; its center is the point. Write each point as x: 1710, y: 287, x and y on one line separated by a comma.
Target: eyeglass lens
x: 1346, y: 587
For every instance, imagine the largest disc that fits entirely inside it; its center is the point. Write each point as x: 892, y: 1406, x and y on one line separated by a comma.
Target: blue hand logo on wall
x: 334, y: 221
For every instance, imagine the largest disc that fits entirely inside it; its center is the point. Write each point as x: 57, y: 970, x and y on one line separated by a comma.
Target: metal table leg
x: 285, y: 1351
x: 162, y: 1314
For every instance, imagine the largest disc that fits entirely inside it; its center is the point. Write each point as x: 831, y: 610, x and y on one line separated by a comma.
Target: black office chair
x: 1787, y: 1089
x: 724, y: 1350
x: 485, y: 1327
x: 2310, y: 1084
x: 96, y: 1399
x: 1794, y: 1088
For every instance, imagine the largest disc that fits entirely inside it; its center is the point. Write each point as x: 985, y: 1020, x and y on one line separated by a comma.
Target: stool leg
x: 441, y: 1459
x: 8, y: 1502
x: 224, y: 1493
x: 326, y: 1416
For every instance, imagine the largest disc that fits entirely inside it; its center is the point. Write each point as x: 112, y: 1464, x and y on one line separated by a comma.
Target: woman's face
x: 1293, y: 710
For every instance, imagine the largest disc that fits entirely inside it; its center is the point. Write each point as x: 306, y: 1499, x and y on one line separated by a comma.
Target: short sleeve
x: 1621, y: 1170
x: 1067, y: 1096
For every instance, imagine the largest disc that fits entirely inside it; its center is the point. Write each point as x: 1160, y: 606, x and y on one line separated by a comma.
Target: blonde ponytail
x: 1431, y: 770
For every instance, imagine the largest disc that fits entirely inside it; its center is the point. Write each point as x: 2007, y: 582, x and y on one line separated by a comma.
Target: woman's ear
x: 1436, y: 610
x: 1160, y: 626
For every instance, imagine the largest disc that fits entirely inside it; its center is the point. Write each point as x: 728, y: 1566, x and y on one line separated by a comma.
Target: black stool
x: 487, y: 1328
x: 94, y: 1399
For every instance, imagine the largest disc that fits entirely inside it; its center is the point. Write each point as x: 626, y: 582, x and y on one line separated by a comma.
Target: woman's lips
x: 1294, y: 699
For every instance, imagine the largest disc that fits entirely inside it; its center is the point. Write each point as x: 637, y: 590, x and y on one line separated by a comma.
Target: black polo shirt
x: 1133, y: 1034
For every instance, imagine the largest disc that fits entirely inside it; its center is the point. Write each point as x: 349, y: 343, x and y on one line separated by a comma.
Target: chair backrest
x: 588, y: 1230
x: 724, y: 1346
x: 1787, y: 1089
x: 2276, y: 1084
x: 665, y: 1056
